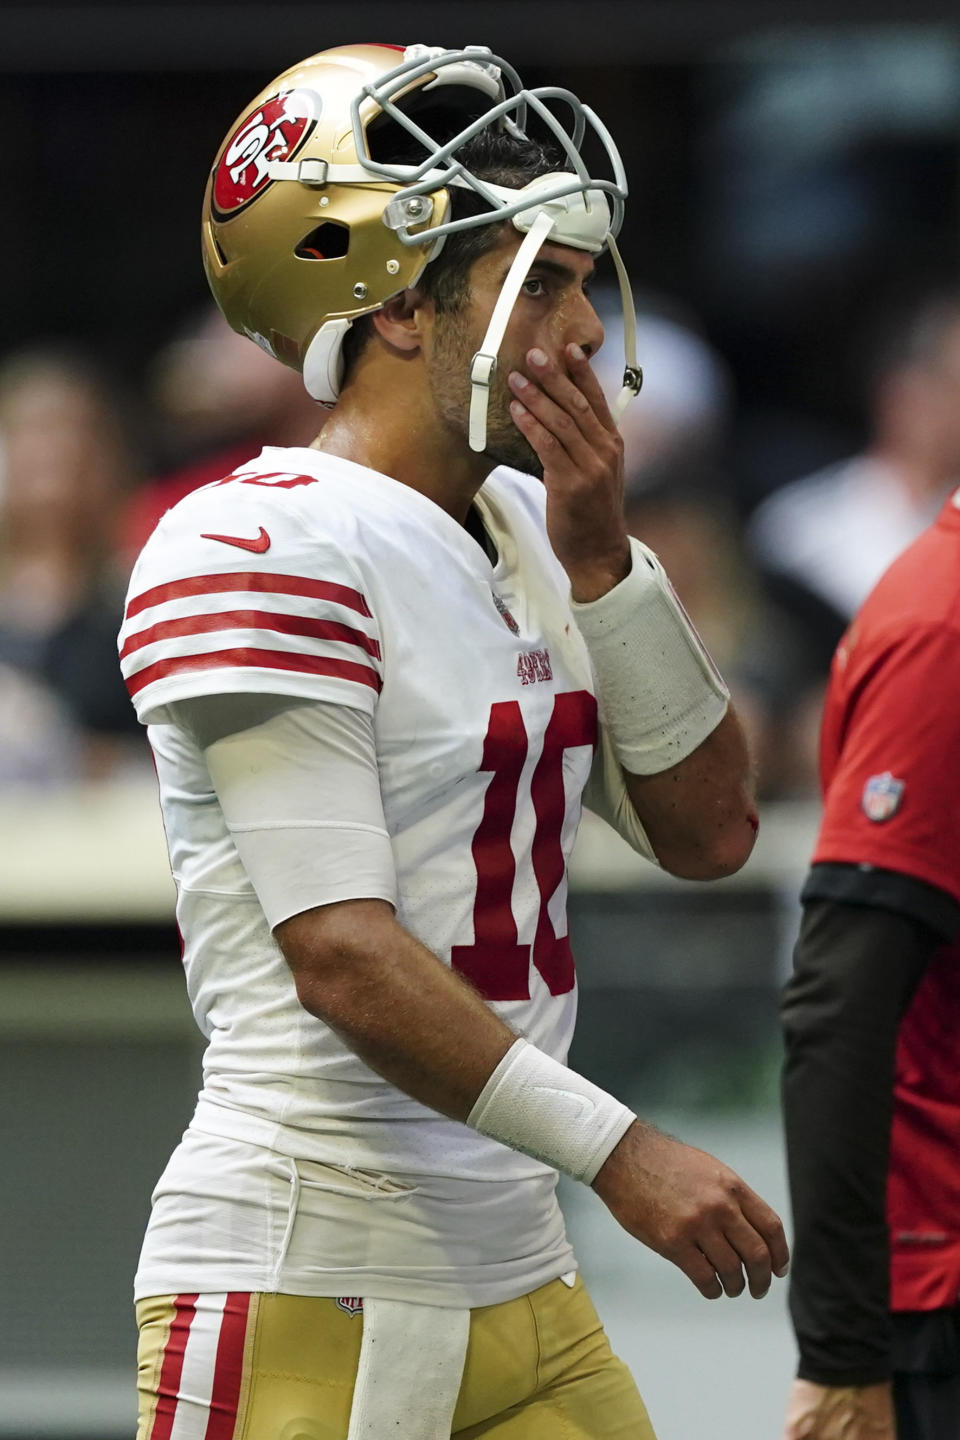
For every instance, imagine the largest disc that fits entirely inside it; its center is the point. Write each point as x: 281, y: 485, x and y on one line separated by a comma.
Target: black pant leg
x: 926, y: 1380
x: 927, y: 1406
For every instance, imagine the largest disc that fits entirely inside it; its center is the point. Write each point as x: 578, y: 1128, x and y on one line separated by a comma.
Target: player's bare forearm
x: 700, y: 815
x: 411, y: 1019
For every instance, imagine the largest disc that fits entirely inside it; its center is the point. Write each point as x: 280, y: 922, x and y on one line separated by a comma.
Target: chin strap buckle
x: 633, y: 379
x: 629, y: 390
x: 483, y: 367
x: 308, y: 172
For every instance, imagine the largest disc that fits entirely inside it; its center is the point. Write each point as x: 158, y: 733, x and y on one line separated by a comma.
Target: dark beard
x: 507, y: 446
x: 450, y: 381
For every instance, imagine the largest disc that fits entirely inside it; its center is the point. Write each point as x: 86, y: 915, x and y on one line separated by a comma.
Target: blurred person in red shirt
x: 872, y: 1025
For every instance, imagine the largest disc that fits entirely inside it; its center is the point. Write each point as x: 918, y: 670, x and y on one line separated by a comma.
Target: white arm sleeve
x: 660, y: 694
x: 299, y: 788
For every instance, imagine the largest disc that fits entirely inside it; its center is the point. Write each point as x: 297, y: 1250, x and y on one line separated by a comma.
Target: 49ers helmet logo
x: 275, y: 131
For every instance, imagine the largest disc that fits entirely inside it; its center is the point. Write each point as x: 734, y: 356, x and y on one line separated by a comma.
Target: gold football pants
x: 282, y: 1367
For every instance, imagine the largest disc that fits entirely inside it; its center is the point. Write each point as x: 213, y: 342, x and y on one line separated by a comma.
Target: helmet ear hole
x: 218, y: 248
x: 328, y: 241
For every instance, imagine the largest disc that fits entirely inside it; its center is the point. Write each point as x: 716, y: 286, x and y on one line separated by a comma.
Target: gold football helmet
x: 332, y: 192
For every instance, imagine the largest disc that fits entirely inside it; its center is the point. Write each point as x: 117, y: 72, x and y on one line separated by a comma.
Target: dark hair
x: 493, y: 155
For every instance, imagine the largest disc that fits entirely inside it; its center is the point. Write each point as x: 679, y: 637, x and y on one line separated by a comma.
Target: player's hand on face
x: 563, y: 414
x: 833, y: 1412
x: 695, y: 1211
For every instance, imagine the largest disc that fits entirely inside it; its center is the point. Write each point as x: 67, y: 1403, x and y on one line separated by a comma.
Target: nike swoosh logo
x: 580, y: 1107
x: 259, y: 545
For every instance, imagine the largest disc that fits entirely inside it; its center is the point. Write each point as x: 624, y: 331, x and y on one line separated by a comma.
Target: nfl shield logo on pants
x: 881, y: 797
x: 352, y: 1304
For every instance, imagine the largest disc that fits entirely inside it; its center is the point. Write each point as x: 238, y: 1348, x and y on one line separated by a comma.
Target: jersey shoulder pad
x: 239, y: 590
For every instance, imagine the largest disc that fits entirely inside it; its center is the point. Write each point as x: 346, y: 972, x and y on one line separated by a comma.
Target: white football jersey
x: 309, y: 576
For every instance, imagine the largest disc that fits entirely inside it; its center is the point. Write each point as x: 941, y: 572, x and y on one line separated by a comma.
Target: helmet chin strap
x: 484, y: 364
x: 632, y: 373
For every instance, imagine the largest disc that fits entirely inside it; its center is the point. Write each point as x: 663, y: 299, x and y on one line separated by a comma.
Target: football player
x: 381, y: 674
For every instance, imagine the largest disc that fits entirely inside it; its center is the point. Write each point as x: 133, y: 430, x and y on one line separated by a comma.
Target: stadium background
x: 794, y: 168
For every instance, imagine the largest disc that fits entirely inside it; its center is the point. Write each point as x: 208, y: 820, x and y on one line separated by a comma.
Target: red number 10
x: 495, y: 963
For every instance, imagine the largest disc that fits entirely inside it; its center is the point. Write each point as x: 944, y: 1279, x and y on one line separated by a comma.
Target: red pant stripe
x: 228, y: 1374
x: 168, y: 1388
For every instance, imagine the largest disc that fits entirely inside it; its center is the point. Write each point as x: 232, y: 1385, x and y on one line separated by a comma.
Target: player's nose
x: 587, y: 331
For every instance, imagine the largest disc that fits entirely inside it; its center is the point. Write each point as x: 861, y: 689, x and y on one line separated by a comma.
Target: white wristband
x: 660, y: 693
x: 542, y: 1108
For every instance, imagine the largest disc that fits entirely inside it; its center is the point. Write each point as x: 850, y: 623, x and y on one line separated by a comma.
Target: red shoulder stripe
x: 255, y: 660
x: 251, y: 581
x: 250, y: 620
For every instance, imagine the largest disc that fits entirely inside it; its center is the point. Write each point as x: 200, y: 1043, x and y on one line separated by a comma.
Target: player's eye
x: 533, y: 285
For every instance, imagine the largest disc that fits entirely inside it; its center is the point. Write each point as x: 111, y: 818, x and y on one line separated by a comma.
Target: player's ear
x: 400, y: 321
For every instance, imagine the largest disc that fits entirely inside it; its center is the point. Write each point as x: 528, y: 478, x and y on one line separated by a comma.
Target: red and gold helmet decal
x: 275, y: 131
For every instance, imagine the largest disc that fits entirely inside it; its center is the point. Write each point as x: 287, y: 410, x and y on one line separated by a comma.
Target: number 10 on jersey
x: 495, y: 963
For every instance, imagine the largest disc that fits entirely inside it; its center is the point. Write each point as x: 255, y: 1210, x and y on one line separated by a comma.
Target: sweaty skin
x: 413, y: 1020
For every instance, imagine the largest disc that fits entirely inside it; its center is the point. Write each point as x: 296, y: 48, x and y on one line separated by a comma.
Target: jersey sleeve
x: 239, y: 599
x: 893, y: 800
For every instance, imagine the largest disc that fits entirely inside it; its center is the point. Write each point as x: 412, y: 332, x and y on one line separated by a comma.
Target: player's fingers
x: 726, y: 1262
x: 697, y: 1268
x: 767, y: 1224
x: 566, y: 393
x: 554, y: 421
x: 754, y: 1254
x: 582, y: 375
x: 548, y: 449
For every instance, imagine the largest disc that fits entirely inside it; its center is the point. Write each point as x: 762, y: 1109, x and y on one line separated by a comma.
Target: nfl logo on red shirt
x: 881, y: 797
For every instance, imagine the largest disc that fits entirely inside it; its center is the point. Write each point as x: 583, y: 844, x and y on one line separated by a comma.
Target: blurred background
x: 793, y: 237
